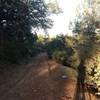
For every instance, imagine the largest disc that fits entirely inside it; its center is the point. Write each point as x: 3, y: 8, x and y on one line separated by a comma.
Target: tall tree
x: 16, y: 19
x: 88, y: 18
x: 86, y: 24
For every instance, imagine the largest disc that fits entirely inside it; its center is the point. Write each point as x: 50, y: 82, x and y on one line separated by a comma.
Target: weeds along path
x: 40, y: 80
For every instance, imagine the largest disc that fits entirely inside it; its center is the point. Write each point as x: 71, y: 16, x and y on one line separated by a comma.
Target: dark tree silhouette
x: 16, y: 19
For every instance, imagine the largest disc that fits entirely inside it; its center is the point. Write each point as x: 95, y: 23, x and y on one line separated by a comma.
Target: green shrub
x: 62, y: 51
x: 92, y: 65
x: 55, y: 44
x: 60, y: 56
x: 73, y: 59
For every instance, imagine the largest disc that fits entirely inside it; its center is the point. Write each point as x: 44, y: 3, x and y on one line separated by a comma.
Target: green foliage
x: 87, y: 20
x: 70, y: 51
x: 41, y: 38
x: 92, y: 64
x: 16, y: 19
x: 70, y: 41
x: 55, y: 44
x: 54, y: 8
x: 39, y: 14
x: 73, y: 59
x: 85, y: 26
x: 60, y: 56
x: 61, y: 49
x: 97, y: 77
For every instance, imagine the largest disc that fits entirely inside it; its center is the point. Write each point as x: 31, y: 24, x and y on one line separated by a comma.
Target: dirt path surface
x: 40, y: 80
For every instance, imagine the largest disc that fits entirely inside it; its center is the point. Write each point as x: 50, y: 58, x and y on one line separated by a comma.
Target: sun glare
x: 62, y: 20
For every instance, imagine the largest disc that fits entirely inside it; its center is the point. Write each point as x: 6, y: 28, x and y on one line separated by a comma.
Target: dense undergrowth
x: 70, y: 51
x: 62, y: 50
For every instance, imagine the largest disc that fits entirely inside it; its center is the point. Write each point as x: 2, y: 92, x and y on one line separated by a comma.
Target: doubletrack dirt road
x: 41, y: 81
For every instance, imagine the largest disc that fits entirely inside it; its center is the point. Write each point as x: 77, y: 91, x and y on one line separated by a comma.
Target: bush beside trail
x: 92, y: 65
x: 61, y: 49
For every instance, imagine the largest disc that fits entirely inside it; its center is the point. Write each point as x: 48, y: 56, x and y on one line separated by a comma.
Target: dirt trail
x: 41, y: 81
